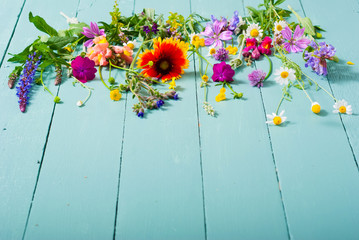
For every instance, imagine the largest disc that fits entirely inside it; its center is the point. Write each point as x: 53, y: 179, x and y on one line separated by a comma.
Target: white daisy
x: 279, y: 26
x: 211, y: 51
x: 316, y: 107
x: 276, y: 119
x: 284, y: 75
x: 131, y: 44
x: 254, y: 31
x: 342, y: 106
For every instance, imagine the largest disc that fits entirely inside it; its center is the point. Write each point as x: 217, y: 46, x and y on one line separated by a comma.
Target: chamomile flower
x: 316, y: 107
x: 276, y: 119
x: 342, y: 106
x: 131, y: 44
x: 284, y: 75
x: 212, y: 51
x: 254, y: 31
x: 279, y: 26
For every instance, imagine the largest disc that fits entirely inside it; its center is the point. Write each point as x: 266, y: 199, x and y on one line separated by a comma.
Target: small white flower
x: 276, y: 119
x: 79, y: 103
x: 342, y: 106
x: 131, y: 44
x: 284, y: 75
x: 279, y: 26
x: 254, y: 31
x: 69, y: 20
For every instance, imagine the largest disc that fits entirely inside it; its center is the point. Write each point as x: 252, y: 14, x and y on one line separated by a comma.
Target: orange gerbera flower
x: 169, y: 57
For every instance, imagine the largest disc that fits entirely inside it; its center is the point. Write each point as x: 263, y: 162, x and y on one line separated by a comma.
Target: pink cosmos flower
x: 83, y: 69
x: 100, y: 52
x: 222, y: 72
x: 214, y: 34
x: 265, y: 46
x: 296, y: 43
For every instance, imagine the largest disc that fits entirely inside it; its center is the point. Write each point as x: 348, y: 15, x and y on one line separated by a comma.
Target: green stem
x: 230, y: 87
x: 45, y: 88
x: 203, y: 57
x: 280, y: 102
x: 304, y: 90
x: 100, y: 73
x: 270, y: 67
x: 320, y: 87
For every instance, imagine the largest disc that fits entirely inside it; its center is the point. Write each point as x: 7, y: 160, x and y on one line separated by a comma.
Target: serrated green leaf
x: 57, y: 43
x: 41, y: 25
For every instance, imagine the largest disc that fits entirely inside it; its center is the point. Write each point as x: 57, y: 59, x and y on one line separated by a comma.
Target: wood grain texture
x: 160, y: 195
x: 77, y: 187
x: 318, y: 180
x: 240, y: 184
x: 23, y: 136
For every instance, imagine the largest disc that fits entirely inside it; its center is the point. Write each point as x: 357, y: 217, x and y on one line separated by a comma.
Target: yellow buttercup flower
x: 115, y: 95
x: 205, y: 78
x: 221, y: 96
x: 232, y: 50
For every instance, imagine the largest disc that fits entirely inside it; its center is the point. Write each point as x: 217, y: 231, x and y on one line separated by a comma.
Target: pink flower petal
x: 302, y: 43
x: 298, y: 32
x: 208, y: 41
x: 217, y: 26
x: 208, y: 32
x: 226, y: 35
x: 287, y: 33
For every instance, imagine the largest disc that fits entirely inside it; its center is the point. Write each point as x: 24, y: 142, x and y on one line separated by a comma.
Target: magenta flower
x: 222, y: 72
x: 83, y: 69
x: 296, y: 43
x: 91, y: 33
x: 265, y: 46
x: 214, y: 34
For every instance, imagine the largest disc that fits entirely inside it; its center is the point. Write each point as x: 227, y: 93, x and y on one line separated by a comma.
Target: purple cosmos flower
x: 233, y: 22
x: 221, y: 55
x: 214, y: 33
x: 317, y: 58
x: 83, y: 69
x: 26, y: 79
x: 91, y: 33
x: 256, y: 78
x: 296, y: 43
x: 222, y: 72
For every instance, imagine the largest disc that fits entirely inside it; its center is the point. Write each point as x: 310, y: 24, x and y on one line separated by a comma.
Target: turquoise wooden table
x: 100, y: 172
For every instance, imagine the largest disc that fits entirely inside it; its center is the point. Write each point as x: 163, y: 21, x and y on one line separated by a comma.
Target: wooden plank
x: 316, y: 168
x: 77, y: 188
x: 240, y: 185
x: 23, y: 136
x: 11, y: 14
x: 160, y: 185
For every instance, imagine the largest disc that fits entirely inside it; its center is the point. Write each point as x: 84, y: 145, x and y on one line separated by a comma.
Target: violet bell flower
x: 296, y: 43
x: 214, y: 34
x: 91, y: 33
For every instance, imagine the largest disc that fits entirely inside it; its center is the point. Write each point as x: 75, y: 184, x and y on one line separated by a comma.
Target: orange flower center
x: 284, y: 74
x: 254, y: 33
x: 277, y: 120
x: 164, y: 65
x: 342, y: 109
x: 279, y: 28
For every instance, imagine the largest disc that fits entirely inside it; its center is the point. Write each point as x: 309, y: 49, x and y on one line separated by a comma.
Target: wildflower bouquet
x: 153, y: 50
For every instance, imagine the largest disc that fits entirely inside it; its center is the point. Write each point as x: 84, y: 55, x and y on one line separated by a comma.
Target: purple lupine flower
x: 26, y: 79
x: 91, y: 33
x: 146, y: 29
x: 175, y: 97
x: 214, y: 33
x: 222, y: 72
x: 160, y: 103
x: 256, y: 78
x: 233, y: 22
x: 154, y: 28
x: 221, y: 54
x: 296, y: 43
x: 317, y: 58
x: 140, y: 114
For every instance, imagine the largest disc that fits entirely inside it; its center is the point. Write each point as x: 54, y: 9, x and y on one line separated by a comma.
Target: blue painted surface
x: 99, y: 172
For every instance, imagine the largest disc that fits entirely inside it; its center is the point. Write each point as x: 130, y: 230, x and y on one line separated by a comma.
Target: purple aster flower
x: 154, y: 28
x: 26, y: 79
x: 91, y: 33
x: 146, y: 29
x: 317, y: 58
x: 296, y: 43
x: 233, y: 22
x: 256, y: 78
x: 222, y: 72
x: 214, y: 33
x: 83, y: 69
x: 221, y: 54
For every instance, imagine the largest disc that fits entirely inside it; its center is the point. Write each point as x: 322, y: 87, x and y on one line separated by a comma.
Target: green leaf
x: 149, y: 12
x: 41, y: 24
x: 278, y: 2
x: 253, y: 11
x: 304, y: 22
x: 57, y: 43
x: 20, y: 57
